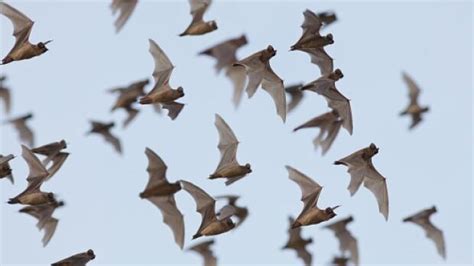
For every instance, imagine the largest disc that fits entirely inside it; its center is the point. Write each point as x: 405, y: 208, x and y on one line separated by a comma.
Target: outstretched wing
x: 25, y: 133
x: 171, y: 216
x: 273, y: 84
x: 238, y: 78
x: 37, y: 172
x: 205, y: 204
x: 436, y: 235
x: 413, y: 89
x: 376, y: 183
x: 156, y: 169
x: 296, y: 95
x: 57, y: 162
x: 227, y: 142
x: 125, y: 8
x: 198, y: 8
x: 343, y: 108
x: 163, y: 65
x: 112, y: 140
x: 6, y: 97
x: 22, y: 25
x: 310, y: 190
x: 311, y: 26
x: 304, y: 255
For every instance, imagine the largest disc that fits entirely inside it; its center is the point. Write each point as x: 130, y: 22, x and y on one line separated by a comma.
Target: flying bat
x: 432, y: 232
x: 33, y: 195
x: 161, y: 193
x: 298, y: 244
x: 44, y: 214
x: 205, y: 205
x: 413, y: 109
x: 24, y: 132
x: 204, y: 249
x: 329, y: 124
x: 22, y: 26
x: 240, y: 212
x: 198, y: 26
x: 162, y: 93
x: 5, y: 170
x: 127, y: 97
x: 228, y: 167
x: 326, y: 87
x: 312, y: 43
x: 362, y: 170
x: 80, y: 259
x: 54, y: 155
x: 5, y: 95
x: 327, y: 18
x: 104, y: 130
x: 225, y: 55
x: 347, y: 242
x: 125, y: 9
x: 310, y: 191
x: 259, y: 72
x: 296, y: 95
x: 340, y: 261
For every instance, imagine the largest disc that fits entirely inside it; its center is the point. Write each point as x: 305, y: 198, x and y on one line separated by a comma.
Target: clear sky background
x: 374, y: 42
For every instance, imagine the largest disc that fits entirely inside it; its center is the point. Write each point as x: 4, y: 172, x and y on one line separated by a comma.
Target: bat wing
x: 58, y: 162
x: 171, y: 216
x: 112, y: 140
x: 274, y: 86
x: 255, y: 70
x: 205, y: 204
x: 80, y: 259
x: 25, y: 133
x: 48, y: 149
x: 163, y: 66
x: 326, y: 87
x: 156, y: 169
x: 6, y: 97
x: 304, y: 255
x: 237, y: 77
x: 224, y: 53
x: 343, y: 108
x: 227, y: 142
x: 198, y: 8
x: 321, y: 121
x: 174, y: 108
x: 310, y: 190
x: 436, y: 235
x: 331, y: 135
x: 204, y: 249
x: 376, y: 183
x: 311, y: 26
x: 226, y: 212
x: 131, y: 114
x: 296, y: 95
x: 413, y: 89
x: 49, y: 229
x: 22, y: 25
x: 320, y: 57
x: 125, y: 8
x: 37, y: 172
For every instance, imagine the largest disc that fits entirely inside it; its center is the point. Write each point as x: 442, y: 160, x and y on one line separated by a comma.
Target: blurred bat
x: 297, y: 243
x: 46, y: 221
x: 240, y: 212
x: 24, y: 132
x: 347, y: 242
x: 5, y: 170
x: 413, y: 109
x: 204, y: 249
x: 327, y: 18
x: 296, y: 95
x: 104, y: 130
x: 125, y: 9
x: 127, y: 97
x: 198, y: 26
x: 5, y: 95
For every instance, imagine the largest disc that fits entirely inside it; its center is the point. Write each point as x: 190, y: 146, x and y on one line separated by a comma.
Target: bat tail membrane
x: 13, y: 201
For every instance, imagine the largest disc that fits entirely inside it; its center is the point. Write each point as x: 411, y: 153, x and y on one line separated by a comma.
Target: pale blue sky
x: 374, y: 42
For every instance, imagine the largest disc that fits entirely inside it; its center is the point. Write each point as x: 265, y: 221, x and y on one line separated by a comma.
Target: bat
x: 53, y: 154
x: 327, y: 18
x: 310, y: 191
x: 22, y: 26
x: 259, y: 72
x: 198, y: 26
x: 204, y: 249
x: 297, y: 243
x: 104, y: 130
x: 125, y: 9
x: 362, y: 170
x: 240, y: 212
x: 162, y: 93
x: 340, y: 261
x: 347, y: 242
x: 432, y: 232
x: 161, y: 193
x: 25, y: 133
x: 127, y: 97
x: 44, y: 214
x: 413, y: 109
x: 5, y: 170
x: 296, y: 95
x: 205, y: 205
x: 5, y: 95
x: 80, y: 259
x: 228, y: 166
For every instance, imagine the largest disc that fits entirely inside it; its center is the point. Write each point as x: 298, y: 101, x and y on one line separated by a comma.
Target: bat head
x: 213, y: 25
x: 242, y: 40
x: 330, y: 38
x: 373, y: 149
x: 229, y: 223
x: 90, y: 254
x: 271, y: 51
x: 180, y: 91
x: 330, y: 211
x: 338, y: 74
x: 60, y: 204
x: 42, y: 46
x: 425, y: 109
x: 63, y: 144
x: 51, y: 197
x: 248, y: 168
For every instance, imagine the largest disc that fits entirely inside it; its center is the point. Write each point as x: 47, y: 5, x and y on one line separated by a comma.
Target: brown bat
x: 205, y: 205
x: 432, y: 232
x: 162, y: 93
x: 413, y: 109
x: 204, y: 249
x: 54, y: 155
x: 228, y: 167
x: 5, y: 170
x: 326, y: 86
x: 327, y: 18
x: 362, y: 170
x: 347, y: 242
x: 125, y: 9
x: 225, y: 54
x: 33, y: 195
x: 198, y: 26
x: 296, y: 95
x: 312, y: 43
x: 80, y: 259
x: 240, y: 212
x: 310, y: 191
x: 161, y: 193
x: 298, y: 244
x: 127, y: 97
x: 104, y: 130
x: 46, y: 221
x: 22, y: 26
x: 259, y: 71
x: 340, y: 261
x: 5, y: 95
x: 329, y: 125
x: 24, y: 132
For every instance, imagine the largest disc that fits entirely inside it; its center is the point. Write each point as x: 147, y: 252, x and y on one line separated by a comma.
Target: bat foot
x: 196, y: 236
x: 13, y: 201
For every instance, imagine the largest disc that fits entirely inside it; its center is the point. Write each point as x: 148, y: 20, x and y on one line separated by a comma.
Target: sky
x: 374, y: 43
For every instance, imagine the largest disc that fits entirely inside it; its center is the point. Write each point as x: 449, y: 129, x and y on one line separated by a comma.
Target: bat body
x: 298, y: 244
x: 413, y: 109
x: 125, y: 9
x: 240, y: 212
x: 22, y: 27
x: 127, y: 97
x: 259, y: 72
x: 347, y: 242
x: 54, y: 155
x: 103, y: 129
x: 162, y: 93
x: 80, y: 259
x: 198, y: 26
x: 161, y: 193
x: 5, y: 170
x: 228, y: 167
x: 432, y: 232
x: 360, y: 167
x: 310, y: 191
x: 5, y: 95
x: 25, y: 133
x: 204, y: 249
x: 46, y: 221
x: 205, y: 205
